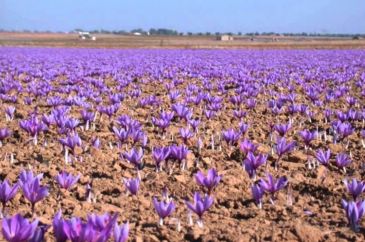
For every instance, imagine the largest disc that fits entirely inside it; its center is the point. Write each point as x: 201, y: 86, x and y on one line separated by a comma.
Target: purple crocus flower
x: 121, y: 232
x: 257, y: 194
x: 88, y: 117
x: 200, y: 205
x: 9, y: 113
x: 161, y: 123
x: 344, y: 129
x: 72, y: 124
x: 210, y: 181
x: 282, y: 129
x: 39, y: 233
x: 18, y: 229
x: 70, y: 142
x: 271, y: 185
x: 307, y: 136
x: 132, y: 185
x: 239, y: 114
x: 58, y: 225
x: 136, y: 135
x: 74, y: 229
x: 66, y: 180
x: 185, y: 134
x: 4, y: 133
x: 252, y: 163
x: 342, y: 160
x: 163, y: 209
x: 323, y: 157
x: 34, y: 192
x: 251, y: 103
x: 182, y: 111
x: 354, y: 212
x: 33, y: 127
x: 160, y: 155
x: 243, y: 128
x: 95, y: 142
x: 7, y: 192
x: 135, y: 157
x: 97, y: 228
x: 282, y: 147
x: 26, y: 176
x: 247, y: 146
x: 355, y: 188
x: 121, y: 134
x: 174, y: 95
x: 231, y: 136
x: 179, y: 152
x: 210, y: 114
x: 362, y: 133
x: 194, y: 123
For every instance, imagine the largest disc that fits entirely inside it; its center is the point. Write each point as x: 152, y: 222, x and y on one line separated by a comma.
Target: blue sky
x: 321, y: 16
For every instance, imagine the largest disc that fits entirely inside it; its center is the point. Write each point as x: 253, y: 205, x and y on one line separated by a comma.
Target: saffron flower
x: 179, y: 153
x: 307, y: 137
x: 34, y: 192
x: 323, y: 157
x: 252, y: 163
x: 200, y: 205
x: 26, y: 176
x: 186, y: 134
x: 66, y: 180
x: 210, y: 181
x: 4, y: 133
x: 354, y: 212
x: 163, y: 209
x: 282, y: 147
x: 132, y: 185
x: 247, y: 146
x: 282, y: 129
x: 135, y: 157
x: 121, y: 232
x: 231, y: 136
x: 7, y: 192
x: 355, y: 188
x: 70, y: 142
x: 342, y: 160
x: 160, y: 155
x: 257, y: 194
x: 58, y: 224
x: 18, y: 229
x: 271, y: 185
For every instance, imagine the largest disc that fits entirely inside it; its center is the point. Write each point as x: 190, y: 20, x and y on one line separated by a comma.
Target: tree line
x: 172, y: 32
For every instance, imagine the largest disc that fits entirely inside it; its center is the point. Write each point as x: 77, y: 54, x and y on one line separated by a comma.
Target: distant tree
x: 190, y: 33
x: 162, y: 31
x: 239, y: 33
x: 207, y: 33
x: 217, y: 33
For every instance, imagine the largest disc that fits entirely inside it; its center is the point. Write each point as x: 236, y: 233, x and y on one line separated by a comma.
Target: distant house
x: 225, y: 37
x: 86, y: 35
x: 137, y: 33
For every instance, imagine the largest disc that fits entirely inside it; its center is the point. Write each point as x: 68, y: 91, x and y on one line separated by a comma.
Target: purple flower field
x: 175, y: 145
